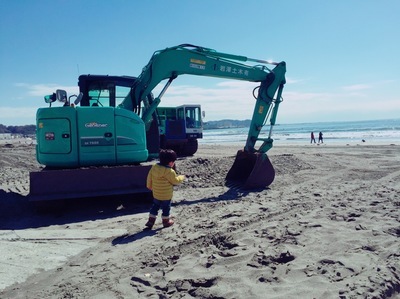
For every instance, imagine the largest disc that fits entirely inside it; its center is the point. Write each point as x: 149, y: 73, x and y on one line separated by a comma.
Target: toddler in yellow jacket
x: 161, y: 180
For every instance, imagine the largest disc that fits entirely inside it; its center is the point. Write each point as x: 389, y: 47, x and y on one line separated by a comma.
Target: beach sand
x: 328, y: 227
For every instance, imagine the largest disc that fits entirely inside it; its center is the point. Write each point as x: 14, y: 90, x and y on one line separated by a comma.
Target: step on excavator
x: 102, y: 143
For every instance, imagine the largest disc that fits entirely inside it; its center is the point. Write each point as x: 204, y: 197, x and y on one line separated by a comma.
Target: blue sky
x: 343, y: 57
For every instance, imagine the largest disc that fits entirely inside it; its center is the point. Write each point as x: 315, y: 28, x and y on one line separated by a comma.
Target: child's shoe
x: 151, y: 221
x: 167, y: 222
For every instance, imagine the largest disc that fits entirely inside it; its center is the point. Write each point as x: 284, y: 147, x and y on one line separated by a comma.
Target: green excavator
x: 96, y: 147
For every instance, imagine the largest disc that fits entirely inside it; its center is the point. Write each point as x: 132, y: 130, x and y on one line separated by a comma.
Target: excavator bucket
x: 251, y: 171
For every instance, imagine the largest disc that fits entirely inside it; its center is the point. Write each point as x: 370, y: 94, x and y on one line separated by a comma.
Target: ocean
x: 350, y: 132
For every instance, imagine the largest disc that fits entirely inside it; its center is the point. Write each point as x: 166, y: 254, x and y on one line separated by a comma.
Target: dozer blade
x: 87, y: 182
x: 251, y: 171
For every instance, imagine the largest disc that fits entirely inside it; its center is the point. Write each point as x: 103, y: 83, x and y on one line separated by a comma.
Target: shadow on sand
x: 125, y: 239
x: 230, y: 195
x: 17, y: 212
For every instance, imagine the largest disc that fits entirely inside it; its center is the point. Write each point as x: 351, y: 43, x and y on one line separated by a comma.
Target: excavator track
x: 55, y: 184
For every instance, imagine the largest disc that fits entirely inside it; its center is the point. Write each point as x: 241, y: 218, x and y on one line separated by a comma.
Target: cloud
x: 357, y: 87
x: 337, y: 106
x: 234, y: 100
x: 24, y: 115
x: 290, y: 80
x: 18, y: 115
x: 40, y: 90
x: 223, y: 100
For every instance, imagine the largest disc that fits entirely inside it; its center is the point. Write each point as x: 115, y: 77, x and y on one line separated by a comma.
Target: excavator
x: 100, y: 150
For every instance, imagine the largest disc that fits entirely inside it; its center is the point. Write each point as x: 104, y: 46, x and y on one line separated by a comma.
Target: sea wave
x: 376, y: 130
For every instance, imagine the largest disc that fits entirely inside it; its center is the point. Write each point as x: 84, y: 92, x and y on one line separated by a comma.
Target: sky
x: 343, y: 56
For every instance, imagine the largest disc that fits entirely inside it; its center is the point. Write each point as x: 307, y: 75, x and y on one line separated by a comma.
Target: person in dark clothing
x: 320, y: 139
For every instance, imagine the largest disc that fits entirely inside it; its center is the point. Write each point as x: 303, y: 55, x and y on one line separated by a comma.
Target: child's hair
x: 166, y: 156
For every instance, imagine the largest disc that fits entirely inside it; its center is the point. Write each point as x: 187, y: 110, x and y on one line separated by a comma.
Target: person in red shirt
x: 312, y: 137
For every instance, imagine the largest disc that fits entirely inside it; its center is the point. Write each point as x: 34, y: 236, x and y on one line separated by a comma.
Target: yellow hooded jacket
x: 161, y: 180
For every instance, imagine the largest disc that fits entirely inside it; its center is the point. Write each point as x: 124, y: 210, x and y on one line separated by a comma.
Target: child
x: 161, y: 180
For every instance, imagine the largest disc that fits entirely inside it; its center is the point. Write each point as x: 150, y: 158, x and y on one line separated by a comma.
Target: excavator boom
x: 252, y: 168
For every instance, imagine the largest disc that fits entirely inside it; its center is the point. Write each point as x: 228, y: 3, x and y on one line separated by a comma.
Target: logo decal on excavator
x: 95, y: 125
x: 197, y: 64
x: 198, y: 61
x: 260, y: 110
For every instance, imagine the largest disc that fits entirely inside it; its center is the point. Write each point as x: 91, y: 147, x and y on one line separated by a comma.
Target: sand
x: 328, y: 227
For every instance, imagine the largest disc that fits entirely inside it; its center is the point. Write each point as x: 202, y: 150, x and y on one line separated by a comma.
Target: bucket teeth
x: 251, y: 171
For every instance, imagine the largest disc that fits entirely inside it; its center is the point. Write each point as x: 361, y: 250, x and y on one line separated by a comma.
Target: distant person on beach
x: 320, y: 139
x: 161, y: 180
x: 312, y: 137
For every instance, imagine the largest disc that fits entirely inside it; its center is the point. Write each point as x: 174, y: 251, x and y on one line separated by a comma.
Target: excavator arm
x: 193, y: 60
